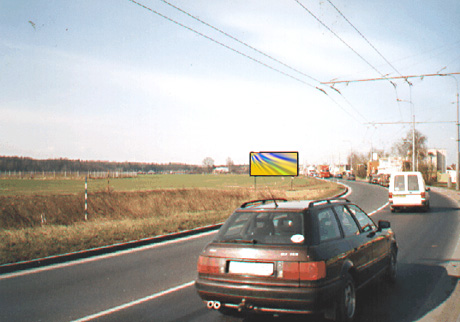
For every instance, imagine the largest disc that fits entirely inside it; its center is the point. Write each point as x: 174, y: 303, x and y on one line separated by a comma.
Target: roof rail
x: 329, y: 200
x: 261, y: 201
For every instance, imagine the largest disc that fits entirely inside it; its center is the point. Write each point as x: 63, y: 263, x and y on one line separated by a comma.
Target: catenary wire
x: 351, y: 48
x: 243, y: 54
x: 239, y: 41
x: 338, y: 37
x: 370, y: 44
x: 375, y: 49
x: 226, y: 46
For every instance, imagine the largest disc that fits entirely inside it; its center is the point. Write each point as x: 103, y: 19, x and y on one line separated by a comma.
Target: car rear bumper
x: 272, y: 299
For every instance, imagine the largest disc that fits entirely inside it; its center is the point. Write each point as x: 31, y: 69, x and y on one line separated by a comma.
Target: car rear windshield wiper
x: 243, y: 241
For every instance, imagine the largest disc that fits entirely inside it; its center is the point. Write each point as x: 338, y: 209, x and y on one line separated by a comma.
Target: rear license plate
x: 250, y: 268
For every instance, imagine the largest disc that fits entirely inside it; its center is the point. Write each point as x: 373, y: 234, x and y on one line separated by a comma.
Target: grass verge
x: 116, y: 217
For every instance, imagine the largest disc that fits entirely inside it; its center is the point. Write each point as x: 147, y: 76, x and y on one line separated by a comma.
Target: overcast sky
x: 113, y: 80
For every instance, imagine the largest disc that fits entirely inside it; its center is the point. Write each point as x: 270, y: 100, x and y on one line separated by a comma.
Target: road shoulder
x: 449, y: 310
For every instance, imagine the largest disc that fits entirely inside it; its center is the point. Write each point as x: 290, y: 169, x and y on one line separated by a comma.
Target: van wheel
x: 346, y: 308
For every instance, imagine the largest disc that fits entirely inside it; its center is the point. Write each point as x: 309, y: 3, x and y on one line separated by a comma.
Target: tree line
x: 26, y: 164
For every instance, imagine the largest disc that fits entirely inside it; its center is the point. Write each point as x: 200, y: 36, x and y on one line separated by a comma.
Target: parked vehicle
x: 384, y: 180
x: 408, y: 189
x: 280, y: 257
x: 350, y: 176
x: 374, y: 178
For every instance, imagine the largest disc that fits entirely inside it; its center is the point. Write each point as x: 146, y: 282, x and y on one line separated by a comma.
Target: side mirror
x: 383, y: 224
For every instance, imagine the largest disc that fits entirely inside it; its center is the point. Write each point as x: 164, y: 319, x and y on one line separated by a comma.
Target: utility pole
x: 414, y: 168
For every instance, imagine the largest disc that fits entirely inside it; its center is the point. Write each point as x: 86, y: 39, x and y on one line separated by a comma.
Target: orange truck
x: 324, y: 172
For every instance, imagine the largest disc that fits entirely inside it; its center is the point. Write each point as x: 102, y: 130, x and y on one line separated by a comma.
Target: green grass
x: 20, y: 187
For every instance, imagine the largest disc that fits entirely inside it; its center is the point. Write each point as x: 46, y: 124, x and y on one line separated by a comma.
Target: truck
x: 323, y: 171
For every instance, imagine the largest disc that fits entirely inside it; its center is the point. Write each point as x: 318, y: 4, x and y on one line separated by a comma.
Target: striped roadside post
x: 86, y: 198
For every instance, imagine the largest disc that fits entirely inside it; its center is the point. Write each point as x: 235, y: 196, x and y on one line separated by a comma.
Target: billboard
x: 274, y: 164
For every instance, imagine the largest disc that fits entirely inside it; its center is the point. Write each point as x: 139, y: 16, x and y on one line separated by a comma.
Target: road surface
x: 155, y: 283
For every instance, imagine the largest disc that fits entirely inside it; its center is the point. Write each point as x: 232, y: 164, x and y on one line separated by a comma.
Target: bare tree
x: 230, y: 165
x: 404, y: 148
x: 208, y: 164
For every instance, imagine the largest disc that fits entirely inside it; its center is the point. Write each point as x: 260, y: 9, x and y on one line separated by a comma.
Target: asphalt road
x: 155, y: 283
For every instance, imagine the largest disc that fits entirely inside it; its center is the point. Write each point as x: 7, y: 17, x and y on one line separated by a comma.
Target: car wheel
x: 392, y: 269
x: 392, y: 209
x: 346, y: 308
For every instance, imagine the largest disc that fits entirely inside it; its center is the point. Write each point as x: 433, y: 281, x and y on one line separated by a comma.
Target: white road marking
x: 99, y: 257
x: 351, y: 190
x: 376, y: 211
x: 133, y: 303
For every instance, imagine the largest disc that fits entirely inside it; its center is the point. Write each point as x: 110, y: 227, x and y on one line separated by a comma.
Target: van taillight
x: 208, y: 265
x: 304, y: 271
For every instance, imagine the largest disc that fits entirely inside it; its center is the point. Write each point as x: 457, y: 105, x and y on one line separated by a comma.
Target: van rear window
x: 399, y: 183
x: 412, y: 182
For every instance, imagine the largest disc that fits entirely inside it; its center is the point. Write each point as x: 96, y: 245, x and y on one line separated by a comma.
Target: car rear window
x: 412, y: 182
x: 399, y: 183
x: 263, y: 228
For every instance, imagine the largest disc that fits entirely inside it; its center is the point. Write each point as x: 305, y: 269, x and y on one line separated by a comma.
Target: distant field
x: 41, y: 218
x: 18, y: 187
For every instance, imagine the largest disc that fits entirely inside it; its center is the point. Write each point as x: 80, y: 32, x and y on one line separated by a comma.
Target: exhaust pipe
x: 213, y: 305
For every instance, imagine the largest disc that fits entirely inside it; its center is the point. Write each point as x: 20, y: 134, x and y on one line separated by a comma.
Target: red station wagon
x: 295, y: 257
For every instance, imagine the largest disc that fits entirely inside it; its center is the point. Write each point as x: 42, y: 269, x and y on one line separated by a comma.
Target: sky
x: 178, y: 81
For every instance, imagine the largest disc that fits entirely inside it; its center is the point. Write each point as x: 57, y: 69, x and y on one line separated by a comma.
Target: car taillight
x: 304, y: 271
x: 290, y: 270
x: 311, y: 271
x: 390, y: 195
x: 208, y: 265
x: 423, y: 194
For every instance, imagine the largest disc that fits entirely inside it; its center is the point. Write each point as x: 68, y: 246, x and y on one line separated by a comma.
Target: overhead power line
x: 386, y: 78
x: 226, y: 46
x: 245, y: 55
x: 429, y: 122
x: 239, y: 41
x: 338, y: 37
x: 370, y: 44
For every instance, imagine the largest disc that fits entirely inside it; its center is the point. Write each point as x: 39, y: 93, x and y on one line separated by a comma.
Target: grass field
x: 19, y: 187
x: 127, y: 209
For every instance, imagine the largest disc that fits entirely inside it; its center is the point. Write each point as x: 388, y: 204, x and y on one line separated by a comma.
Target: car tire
x: 346, y: 306
x: 392, y: 269
x: 392, y: 209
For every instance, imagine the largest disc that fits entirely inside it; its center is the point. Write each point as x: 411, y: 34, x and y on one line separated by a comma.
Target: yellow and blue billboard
x: 274, y: 164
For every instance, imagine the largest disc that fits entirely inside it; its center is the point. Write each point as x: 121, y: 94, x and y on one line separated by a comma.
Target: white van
x: 408, y: 189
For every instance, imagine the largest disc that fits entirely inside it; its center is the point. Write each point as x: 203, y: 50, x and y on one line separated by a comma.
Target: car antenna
x: 271, y: 195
